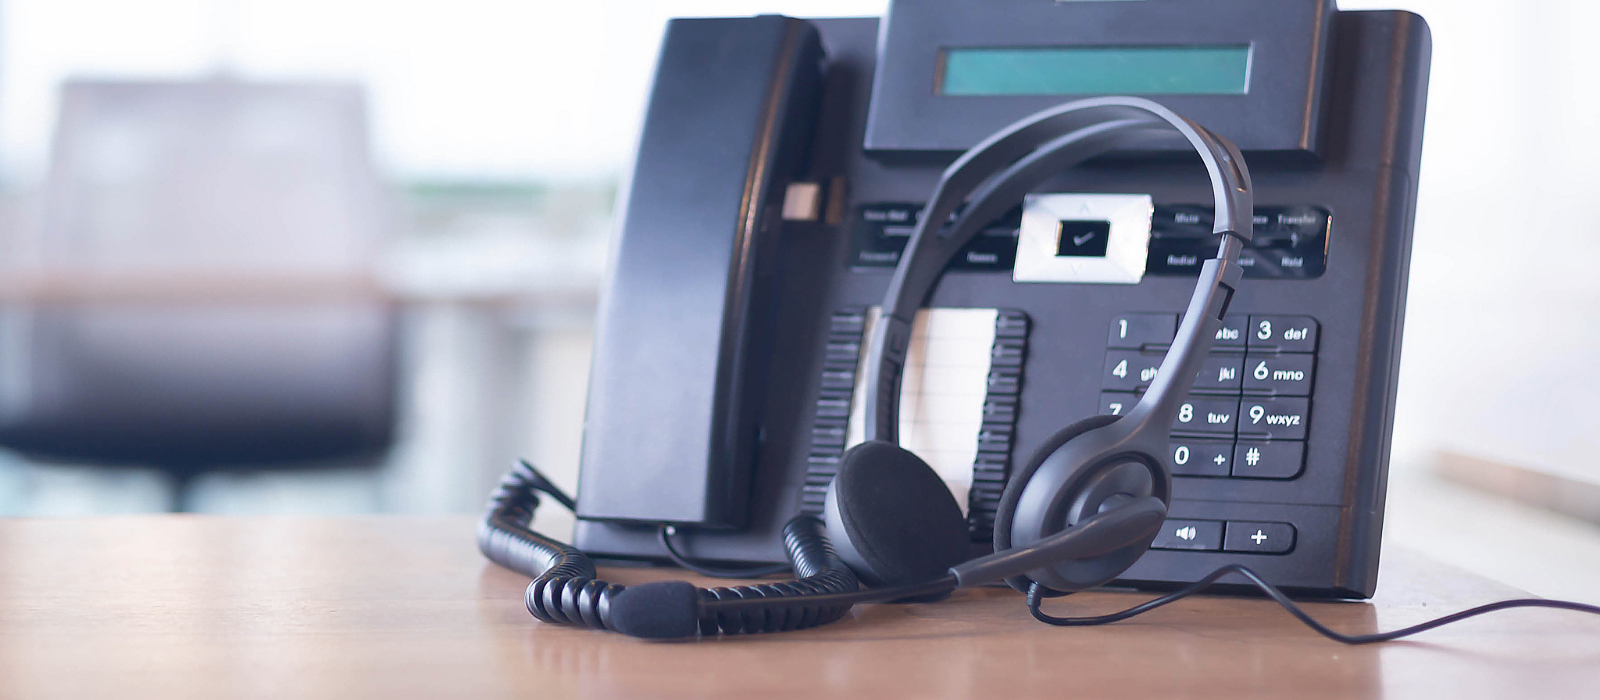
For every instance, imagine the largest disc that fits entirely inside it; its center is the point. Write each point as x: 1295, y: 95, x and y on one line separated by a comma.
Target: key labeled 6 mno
x: 1279, y: 374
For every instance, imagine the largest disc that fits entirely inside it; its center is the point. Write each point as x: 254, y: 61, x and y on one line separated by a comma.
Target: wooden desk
x: 198, y: 607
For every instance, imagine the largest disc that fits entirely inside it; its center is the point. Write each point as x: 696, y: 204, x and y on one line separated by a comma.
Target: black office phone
x: 783, y: 163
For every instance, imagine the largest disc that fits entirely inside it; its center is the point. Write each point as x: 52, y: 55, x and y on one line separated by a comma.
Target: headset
x: 1083, y: 508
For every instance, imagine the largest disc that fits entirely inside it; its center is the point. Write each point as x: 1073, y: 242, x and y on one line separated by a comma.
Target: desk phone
x: 783, y: 163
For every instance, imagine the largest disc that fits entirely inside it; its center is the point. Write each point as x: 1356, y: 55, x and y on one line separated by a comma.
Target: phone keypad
x: 1249, y: 411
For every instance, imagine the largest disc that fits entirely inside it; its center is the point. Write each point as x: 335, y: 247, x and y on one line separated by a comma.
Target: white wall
x: 1503, y: 325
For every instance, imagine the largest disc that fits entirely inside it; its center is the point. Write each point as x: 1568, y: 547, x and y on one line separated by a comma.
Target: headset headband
x: 1004, y: 167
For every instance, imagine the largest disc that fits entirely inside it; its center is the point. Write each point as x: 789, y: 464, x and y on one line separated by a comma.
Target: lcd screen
x: 1096, y: 70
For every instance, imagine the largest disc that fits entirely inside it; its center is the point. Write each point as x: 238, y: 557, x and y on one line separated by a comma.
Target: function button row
x: 1247, y: 537
x: 1278, y: 374
x: 1274, y: 418
x: 1279, y: 333
x: 1249, y: 459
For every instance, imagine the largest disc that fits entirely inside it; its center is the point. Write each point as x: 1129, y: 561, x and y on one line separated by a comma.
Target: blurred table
x: 197, y: 607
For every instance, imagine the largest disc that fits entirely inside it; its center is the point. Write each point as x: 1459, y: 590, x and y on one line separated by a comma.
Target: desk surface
x: 198, y: 607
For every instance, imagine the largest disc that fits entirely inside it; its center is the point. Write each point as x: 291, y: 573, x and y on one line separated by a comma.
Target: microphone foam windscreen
x: 660, y: 610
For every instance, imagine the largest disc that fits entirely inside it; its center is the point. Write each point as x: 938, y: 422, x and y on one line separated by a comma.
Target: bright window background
x: 466, y: 89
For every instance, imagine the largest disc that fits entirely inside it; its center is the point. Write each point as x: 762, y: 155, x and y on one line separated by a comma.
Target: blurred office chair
x: 200, y: 295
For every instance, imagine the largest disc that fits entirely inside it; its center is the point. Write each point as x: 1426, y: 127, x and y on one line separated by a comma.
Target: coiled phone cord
x: 565, y: 589
x: 1036, y: 597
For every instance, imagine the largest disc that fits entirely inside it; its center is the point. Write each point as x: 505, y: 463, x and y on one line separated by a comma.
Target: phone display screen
x: 1095, y: 70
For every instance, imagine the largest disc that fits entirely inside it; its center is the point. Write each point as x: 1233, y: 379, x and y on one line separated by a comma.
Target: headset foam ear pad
x: 1006, y: 511
x: 892, y: 518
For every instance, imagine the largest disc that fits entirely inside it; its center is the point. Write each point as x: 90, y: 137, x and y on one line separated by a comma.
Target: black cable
x: 565, y: 589
x: 667, y: 532
x: 1036, y: 596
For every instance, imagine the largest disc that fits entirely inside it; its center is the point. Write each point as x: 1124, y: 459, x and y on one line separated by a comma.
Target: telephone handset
x: 782, y: 168
x: 677, y: 385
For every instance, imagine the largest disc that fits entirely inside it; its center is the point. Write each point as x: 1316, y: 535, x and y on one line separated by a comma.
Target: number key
x: 1283, y: 333
x: 1136, y: 330
x: 1281, y: 418
x: 1287, y: 374
x: 1206, y: 416
x: 1127, y: 370
x: 1201, y: 457
x: 1232, y: 332
x: 1219, y: 374
x: 1117, y: 403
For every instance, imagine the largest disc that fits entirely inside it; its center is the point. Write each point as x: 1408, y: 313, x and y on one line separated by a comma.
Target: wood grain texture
x: 197, y: 607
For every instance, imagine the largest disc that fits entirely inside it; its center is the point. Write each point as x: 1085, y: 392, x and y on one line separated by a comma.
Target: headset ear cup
x: 891, y: 518
x: 1005, y: 513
